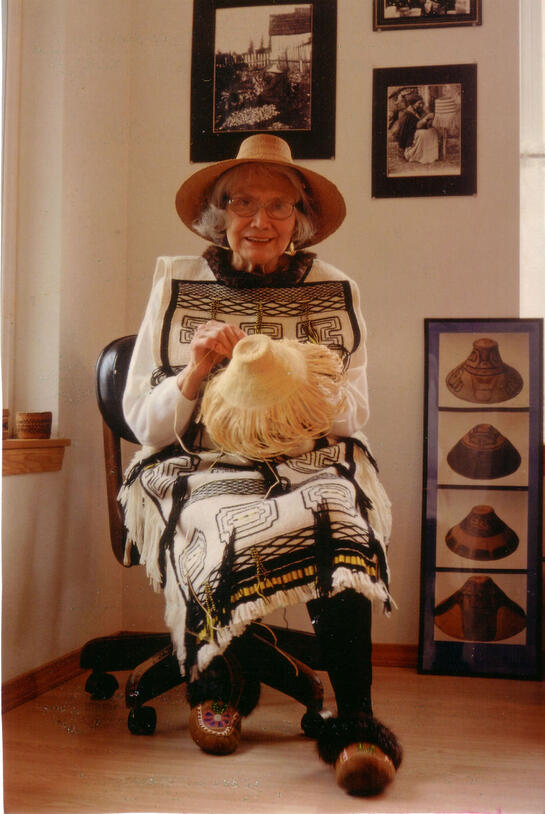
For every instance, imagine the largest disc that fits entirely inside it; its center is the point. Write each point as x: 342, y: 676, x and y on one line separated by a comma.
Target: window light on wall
x: 532, y: 158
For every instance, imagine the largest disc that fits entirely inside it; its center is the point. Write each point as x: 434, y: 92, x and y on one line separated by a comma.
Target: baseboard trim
x: 30, y: 685
x: 395, y: 655
x: 25, y: 687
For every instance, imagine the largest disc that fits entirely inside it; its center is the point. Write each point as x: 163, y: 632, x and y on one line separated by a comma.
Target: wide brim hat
x: 262, y: 148
x: 273, y: 397
x: 482, y: 535
x: 480, y: 611
x: 484, y: 453
x: 483, y: 377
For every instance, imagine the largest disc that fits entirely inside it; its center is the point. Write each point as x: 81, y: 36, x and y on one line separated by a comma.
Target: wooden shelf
x: 21, y: 456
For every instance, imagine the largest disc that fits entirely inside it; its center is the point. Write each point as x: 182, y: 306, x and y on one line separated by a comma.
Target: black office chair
x: 149, y: 656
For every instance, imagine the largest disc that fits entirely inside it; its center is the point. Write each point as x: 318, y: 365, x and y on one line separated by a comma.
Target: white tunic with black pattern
x: 228, y: 539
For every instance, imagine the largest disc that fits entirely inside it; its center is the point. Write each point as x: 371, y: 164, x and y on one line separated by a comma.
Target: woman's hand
x: 212, y: 343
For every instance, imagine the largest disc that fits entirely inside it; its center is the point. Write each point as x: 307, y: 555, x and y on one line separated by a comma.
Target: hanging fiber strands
x: 273, y: 397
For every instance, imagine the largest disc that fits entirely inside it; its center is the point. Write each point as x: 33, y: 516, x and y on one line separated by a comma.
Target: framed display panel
x: 482, y: 498
x: 263, y: 66
x: 424, y: 131
x: 395, y: 14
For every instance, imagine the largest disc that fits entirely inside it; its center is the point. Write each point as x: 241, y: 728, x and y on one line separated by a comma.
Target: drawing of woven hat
x: 482, y: 535
x: 273, y: 397
x: 484, y: 377
x: 480, y: 611
x: 484, y: 453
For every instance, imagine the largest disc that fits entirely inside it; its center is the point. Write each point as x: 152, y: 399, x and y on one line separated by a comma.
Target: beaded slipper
x: 215, y: 727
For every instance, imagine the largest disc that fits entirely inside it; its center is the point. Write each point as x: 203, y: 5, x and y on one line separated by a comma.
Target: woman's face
x: 260, y: 240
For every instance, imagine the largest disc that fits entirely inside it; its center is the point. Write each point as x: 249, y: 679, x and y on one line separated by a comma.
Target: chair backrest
x: 111, y: 374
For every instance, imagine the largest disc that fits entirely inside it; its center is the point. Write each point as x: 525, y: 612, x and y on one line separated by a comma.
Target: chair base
x: 155, y: 670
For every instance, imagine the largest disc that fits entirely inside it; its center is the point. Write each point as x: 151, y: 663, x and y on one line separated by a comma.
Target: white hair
x: 212, y: 223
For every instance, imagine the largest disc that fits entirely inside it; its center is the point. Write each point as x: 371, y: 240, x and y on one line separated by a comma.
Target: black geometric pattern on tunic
x: 315, y: 460
x: 305, y: 302
x: 246, y: 518
x: 189, y: 325
x: 275, y: 330
x: 327, y: 331
x: 161, y: 373
x: 192, y: 560
x: 238, y: 486
x: 198, y: 295
x: 159, y: 479
x: 337, y: 495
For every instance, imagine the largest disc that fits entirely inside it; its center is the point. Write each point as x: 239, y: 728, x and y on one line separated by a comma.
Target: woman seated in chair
x: 262, y: 493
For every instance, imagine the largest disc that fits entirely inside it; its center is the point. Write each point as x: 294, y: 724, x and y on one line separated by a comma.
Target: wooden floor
x: 470, y: 745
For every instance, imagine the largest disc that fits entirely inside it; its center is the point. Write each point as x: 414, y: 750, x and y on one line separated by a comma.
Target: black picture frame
x: 391, y: 15
x: 233, y: 93
x: 480, y: 611
x: 424, y: 131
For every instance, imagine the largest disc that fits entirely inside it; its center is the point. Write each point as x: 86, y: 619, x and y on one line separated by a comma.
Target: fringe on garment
x: 380, y: 512
x: 144, y: 526
x: 145, y: 529
x: 245, y: 614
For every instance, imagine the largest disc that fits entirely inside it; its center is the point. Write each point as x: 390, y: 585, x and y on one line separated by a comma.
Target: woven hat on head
x: 263, y: 148
x: 273, y: 397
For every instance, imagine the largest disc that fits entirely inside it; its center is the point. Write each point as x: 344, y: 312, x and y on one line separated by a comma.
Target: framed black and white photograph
x: 263, y: 66
x: 395, y: 14
x: 424, y: 131
x: 482, y: 498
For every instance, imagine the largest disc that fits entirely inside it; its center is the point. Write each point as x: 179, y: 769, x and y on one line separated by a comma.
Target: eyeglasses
x: 246, y: 207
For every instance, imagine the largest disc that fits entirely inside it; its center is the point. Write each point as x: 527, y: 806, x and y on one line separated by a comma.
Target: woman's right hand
x: 212, y: 342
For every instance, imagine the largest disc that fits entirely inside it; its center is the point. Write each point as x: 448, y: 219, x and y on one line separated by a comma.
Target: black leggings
x: 342, y: 625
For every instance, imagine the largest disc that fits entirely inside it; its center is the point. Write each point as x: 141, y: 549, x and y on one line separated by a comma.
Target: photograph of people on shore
x: 263, y: 68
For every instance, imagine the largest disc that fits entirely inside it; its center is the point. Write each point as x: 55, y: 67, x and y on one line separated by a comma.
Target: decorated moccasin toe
x: 365, y: 753
x: 215, y: 727
x: 363, y: 768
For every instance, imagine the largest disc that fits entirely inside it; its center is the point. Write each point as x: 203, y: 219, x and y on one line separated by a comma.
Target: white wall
x: 117, y: 76
x: 61, y: 585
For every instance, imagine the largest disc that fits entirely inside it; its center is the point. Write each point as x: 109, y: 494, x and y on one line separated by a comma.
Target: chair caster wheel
x: 312, y: 722
x: 142, y: 721
x: 101, y: 686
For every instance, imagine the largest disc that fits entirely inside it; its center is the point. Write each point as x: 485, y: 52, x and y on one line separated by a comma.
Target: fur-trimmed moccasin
x: 219, y: 699
x: 365, y: 753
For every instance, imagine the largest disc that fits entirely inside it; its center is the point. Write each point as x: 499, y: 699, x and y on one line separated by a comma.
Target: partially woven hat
x: 272, y: 397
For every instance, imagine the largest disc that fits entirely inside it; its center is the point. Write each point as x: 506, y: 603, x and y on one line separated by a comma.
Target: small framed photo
x: 424, y: 131
x: 394, y: 14
x: 482, y: 498
x: 263, y: 66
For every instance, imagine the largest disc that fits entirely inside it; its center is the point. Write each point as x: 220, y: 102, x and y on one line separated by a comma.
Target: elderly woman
x: 232, y: 536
